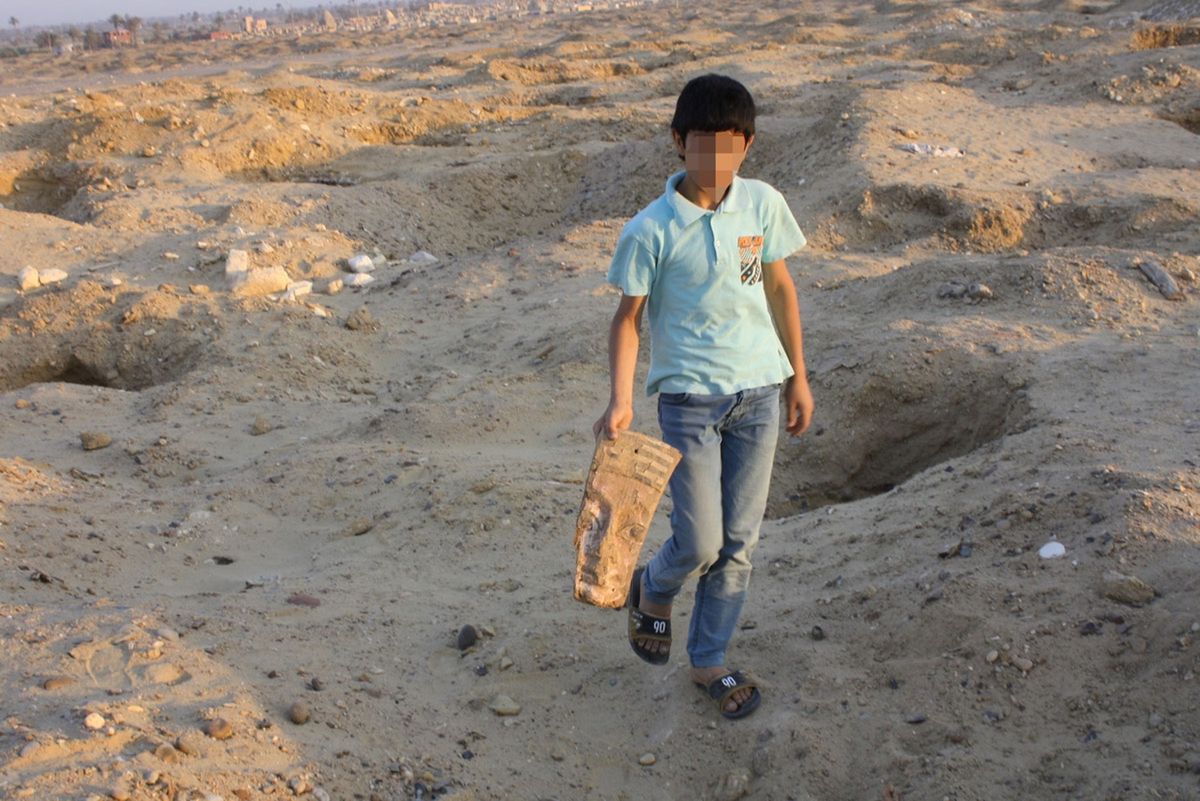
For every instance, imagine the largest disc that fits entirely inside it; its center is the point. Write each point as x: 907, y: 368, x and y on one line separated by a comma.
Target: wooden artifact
x: 624, y: 485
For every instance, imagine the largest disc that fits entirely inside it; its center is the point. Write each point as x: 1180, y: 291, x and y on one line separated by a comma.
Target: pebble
x: 29, y: 749
x: 57, y: 682
x: 191, y: 743
x: 93, y: 441
x: 467, y: 636
x: 1022, y: 664
x: 359, y: 526
x: 817, y: 633
x: 647, y: 759
x: 1052, y: 550
x: 916, y: 719
x: 978, y: 291
x: 1125, y: 589
x: 120, y: 793
x: 299, y: 785
x: 1155, y: 720
x: 169, y: 256
x: 298, y: 713
x: 151, y: 777
x: 256, y: 283
x: 167, y: 753
x: 335, y: 286
x: 260, y: 426
x: 219, y: 729
x: 504, y: 706
x: 422, y: 257
x: 51, y: 276
x: 360, y: 280
x: 27, y: 279
x: 360, y: 263
x: 167, y: 634
x: 237, y: 262
x: 199, y: 289
x: 320, y: 794
x: 316, y: 684
x: 297, y: 290
x: 361, y: 320
x: 505, y: 662
x: 94, y: 721
x: 992, y: 656
x: 732, y: 786
x: 22, y: 403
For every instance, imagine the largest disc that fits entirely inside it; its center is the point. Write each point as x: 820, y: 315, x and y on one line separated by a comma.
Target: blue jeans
x: 719, y: 491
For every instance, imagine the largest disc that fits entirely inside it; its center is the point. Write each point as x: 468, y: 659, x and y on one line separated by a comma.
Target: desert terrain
x: 242, y: 526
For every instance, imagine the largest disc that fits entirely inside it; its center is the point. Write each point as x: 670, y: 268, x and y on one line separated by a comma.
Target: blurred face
x: 712, y: 158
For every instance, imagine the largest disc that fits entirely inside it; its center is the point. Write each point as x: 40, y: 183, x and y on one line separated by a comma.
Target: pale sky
x: 81, y: 12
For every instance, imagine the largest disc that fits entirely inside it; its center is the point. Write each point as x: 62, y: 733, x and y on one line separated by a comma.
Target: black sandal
x: 722, y: 689
x: 643, y: 626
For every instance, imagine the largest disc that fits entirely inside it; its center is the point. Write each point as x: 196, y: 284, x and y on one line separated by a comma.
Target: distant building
x: 329, y: 21
x: 220, y: 36
x: 118, y: 38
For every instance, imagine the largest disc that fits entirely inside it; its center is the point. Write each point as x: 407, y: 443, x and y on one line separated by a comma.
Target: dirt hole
x: 879, y: 425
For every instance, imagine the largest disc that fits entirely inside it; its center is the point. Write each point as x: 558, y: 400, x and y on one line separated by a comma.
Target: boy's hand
x: 617, y: 418
x: 798, y: 401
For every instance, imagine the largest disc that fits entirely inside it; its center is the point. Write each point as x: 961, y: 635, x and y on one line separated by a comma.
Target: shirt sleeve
x: 781, y: 234
x: 633, y: 267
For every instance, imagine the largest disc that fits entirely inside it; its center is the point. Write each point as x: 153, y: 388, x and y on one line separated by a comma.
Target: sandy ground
x: 304, y: 500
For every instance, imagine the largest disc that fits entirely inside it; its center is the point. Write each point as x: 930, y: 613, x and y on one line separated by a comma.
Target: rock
x: 422, y: 257
x: 297, y: 290
x: 191, y: 743
x: 27, y: 279
x: 51, y: 276
x: 361, y: 280
x: 360, y: 263
x: 647, y: 759
x: 168, y: 634
x: 22, y: 403
x: 169, y: 256
x: 334, y: 286
x: 992, y: 656
x: 951, y: 289
x: 817, y: 633
x: 219, y: 729
x: 94, y: 721
x: 298, y: 713
x: 265, y: 248
x: 163, y: 673
x: 504, y: 706
x: 505, y: 663
x: 93, y: 441
x: 167, y: 753
x: 760, y: 761
x: 1052, y: 550
x: 260, y: 426
x: 320, y: 794
x: 120, y: 792
x: 315, y: 684
x: 57, y: 683
x: 237, y: 263
x: 299, y: 785
x: 732, y: 786
x: 259, y: 282
x: 1125, y: 589
x: 359, y: 526
x: 199, y: 289
x: 29, y: 749
x: 916, y: 719
x: 467, y: 636
x: 978, y: 291
x: 361, y: 320
x: 1022, y: 664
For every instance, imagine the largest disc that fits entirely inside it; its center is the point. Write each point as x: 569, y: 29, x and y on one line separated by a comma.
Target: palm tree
x: 134, y: 24
x: 116, y: 20
x: 13, y: 21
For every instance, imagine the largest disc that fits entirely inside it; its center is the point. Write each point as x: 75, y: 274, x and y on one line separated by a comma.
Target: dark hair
x: 712, y: 103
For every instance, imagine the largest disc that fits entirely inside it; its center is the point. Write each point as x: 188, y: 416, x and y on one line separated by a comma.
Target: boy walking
x: 707, y: 260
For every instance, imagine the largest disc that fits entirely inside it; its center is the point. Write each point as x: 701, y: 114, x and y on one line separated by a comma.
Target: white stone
x: 334, y: 286
x: 320, y: 794
x: 237, y: 263
x: 51, y: 276
x: 94, y: 721
x: 27, y: 279
x: 1052, y: 550
x: 380, y: 260
x: 360, y: 263
x: 422, y: 257
x: 256, y: 283
x: 360, y: 280
x: 297, y: 290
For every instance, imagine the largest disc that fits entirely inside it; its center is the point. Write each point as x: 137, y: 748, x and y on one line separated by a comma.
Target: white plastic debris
x: 1052, y: 550
x: 360, y: 263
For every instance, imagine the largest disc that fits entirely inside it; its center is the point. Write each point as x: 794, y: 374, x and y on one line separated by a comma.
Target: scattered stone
x: 360, y: 263
x: 1125, y: 589
x: 57, y: 683
x: 120, y: 792
x: 334, y: 286
x: 422, y: 257
x: 297, y: 290
x: 93, y: 441
x: 260, y: 426
x: 199, y: 289
x: 298, y: 713
x: 992, y: 656
x: 29, y: 749
x: 647, y: 759
x: 94, y: 721
x: 169, y: 256
x: 915, y: 720
x: 27, y: 279
x: 237, y: 263
x: 22, y: 403
x: 219, y: 729
x: 191, y: 743
x: 1052, y: 550
x: 1151, y: 269
x: 1022, y: 664
x: 732, y: 786
x: 360, y: 280
x: 952, y: 289
x: 504, y: 706
x: 149, y: 151
x: 316, y: 684
x: 361, y: 320
x: 303, y: 599
x: 259, y: 282
x: 359, y: 526
x: 265, y: 248
x: 505, y: 663
x: 51, y: 276
x: 167, y: 753
x: 978, y: 291
x: 467, y: 636
x: 817, y: 633
x: 320, y: 794
x: 299, y: 785
x: 168, y: 634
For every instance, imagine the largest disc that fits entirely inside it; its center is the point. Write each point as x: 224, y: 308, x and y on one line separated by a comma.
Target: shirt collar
x: 687, y: 212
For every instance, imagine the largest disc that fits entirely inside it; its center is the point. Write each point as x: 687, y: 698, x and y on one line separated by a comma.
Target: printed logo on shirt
x: 750, y: 252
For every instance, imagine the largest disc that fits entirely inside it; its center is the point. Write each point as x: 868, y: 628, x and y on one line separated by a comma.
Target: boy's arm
x: 622, y: 362
x: 785, y: 309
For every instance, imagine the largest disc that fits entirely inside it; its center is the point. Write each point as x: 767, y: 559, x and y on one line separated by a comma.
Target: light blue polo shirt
x: 711, y: 331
